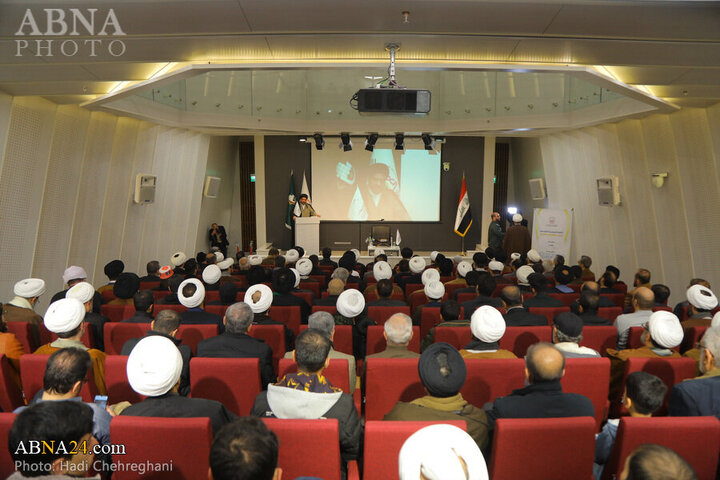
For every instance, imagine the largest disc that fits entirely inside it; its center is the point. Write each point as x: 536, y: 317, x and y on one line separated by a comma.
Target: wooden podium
x: 307, y: 234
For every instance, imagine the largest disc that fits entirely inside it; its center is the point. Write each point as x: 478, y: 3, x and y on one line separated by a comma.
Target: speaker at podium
x: 307, y: 234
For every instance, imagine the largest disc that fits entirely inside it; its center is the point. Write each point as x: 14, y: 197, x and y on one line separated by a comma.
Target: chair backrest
x: 664, y: 308
x: 458, y: 337
x: 152, y: 440
x: 216, y: 309
x: 387, y: 381
x: 108, y: 295
x: 489, y: 378
x: 314, y: 287
x: 274, y: 336
x: 611, y: 313
x: 412, y: 287
x: 342, y: 341
x: 7, y: 466
x: 321, y: 279
x: 234, y: 382
x: 376, y: 341
x: 87, y: 338
x: 617, y: 298
x: 151, y: 285
x: 116, y: 381
x: 383, y: 441
x: 23, y: 332
x: 599, y: 337
x: 570, y: 442
x: 465, y: 296
x: 32, y: 371
x: 117, y: 313
x: 10, y: 394
x: 116, y: 334
x: 191, y: 335
x: 635, y: 337
x: 429, y: 317
x: 212, y: 295
x: 290, y: 316
x: 160, y: 294
x: 331, y: 309
x: 566, y: 298
x: 691, y: 337
x: 451, y: 287
x: 589, y: 377
x: 337, y: 372
x: 549, y: 312
x: 696, y: 439
x: 669, y: 370
x: 307, y: 296
x: 518, y: 339
x: 380, y: 314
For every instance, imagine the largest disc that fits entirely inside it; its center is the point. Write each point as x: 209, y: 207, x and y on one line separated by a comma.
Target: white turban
x: 433, y: 255
x: 715, y: 320
x: 417, y: 264
x: 382, y: 270
x: 255, y: 260
x: 523, y: 273
x: 265, y: 300
x: 463, y: 268
x: 178, y: 259
x: 154, y: 366
x: 434, y: 290
x: 517, y: 218
x: 487, y: 324
x: 64, y: 315
x: 211, y: 274
x: 292, y: 255
x: 225, y: 264
x: 701, y: 297
x: 514, y: 256
x: 356, y: 252
x: 350, y: 303
x: 219, y: 257
x: 297, y: 277
x: 83, y: 291
x: 29, y: 288
x: 534, y: 256
x: 665, y: 329
x: 435, y: 452
x: 73, y: 272
x: 496, y: 266
x: 430, y: 275
x: 457, y: 259
x: 197, y: 299
x: 304, y: 266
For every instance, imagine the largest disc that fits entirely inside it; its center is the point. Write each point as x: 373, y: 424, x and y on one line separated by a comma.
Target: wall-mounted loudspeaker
x: 212, y: 187
x: 537, y: 188
x: 608, y: 191
x: 145, y: 188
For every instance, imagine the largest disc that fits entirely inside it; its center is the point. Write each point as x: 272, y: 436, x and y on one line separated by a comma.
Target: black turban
x: 442, y: 370
x: 114, y: 268
x: 126, y: 285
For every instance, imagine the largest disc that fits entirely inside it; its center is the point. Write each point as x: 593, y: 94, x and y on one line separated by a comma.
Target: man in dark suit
x: 588, y: 309
x: 218, y: 238
x: 592, y: 287
x: 335, y: 288
x: 701, y: 395
x: 485, y: 288
x: 171, y: 298
x: 517, y: 315
x: 191, y: 294
x: 326, y: 260
x: 152, y: 267
x: 471, y: 279
x: 283, y: 282
x: 236, y: 343
x: 144, y: 306
x: 539, y: 283
x: 384, y: 291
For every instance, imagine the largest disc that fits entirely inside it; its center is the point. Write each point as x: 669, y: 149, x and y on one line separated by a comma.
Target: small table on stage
x: 393, y: 250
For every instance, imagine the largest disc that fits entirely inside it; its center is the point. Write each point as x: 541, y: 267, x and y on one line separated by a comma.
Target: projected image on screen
x: 386, y: 184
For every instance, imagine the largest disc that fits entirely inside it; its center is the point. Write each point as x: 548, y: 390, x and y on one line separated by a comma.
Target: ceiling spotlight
x: 428, y: 141
x: 399, y: 141
x: 302, y: 139
x: 345, y: 142
x: 319, y: 141
x: 370, y: 142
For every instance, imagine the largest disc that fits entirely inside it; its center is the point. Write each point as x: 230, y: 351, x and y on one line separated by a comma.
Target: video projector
x: 393, y: 100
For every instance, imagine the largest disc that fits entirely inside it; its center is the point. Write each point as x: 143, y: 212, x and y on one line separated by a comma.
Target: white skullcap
x: 496, y: 266
x: 435, y: 452
x: 350, y: 303
x: 255, y: 260
x: 715, y: 320
x: 83, y: 291
x: 29, y: 288
x: 356, y: 252
x: 665, y: 329
x: 523, y: 273
x: 434, y: 290
x: 225, y: 264
x: 701, y: 297
x: 379, y: 251
x: 154, y: 366
x: 211, y: 274
x: 433, y: 255
x: 304, y: 266
x: 382, y: 270
x: 463, y: 268
x: 514, y: 256
x: 197, y: 299
x: 64, y: 315
x: 430, y: 275
x: 534, y: 256
x: 487, y: 324
x: 178, y: 259
x: 265, y: 300
x: 297, y: 277
x: 517, y: 218
x: 457, y: 259
x: 417, y: 264
x: 219, y: 257
x: 292, y: 256
x: 73, y: 272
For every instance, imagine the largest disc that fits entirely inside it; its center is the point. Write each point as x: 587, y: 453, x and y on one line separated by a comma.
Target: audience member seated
x: 211, y: 277
x: 304, y: 267
x: 662, y: 293
x: 383, y: 271
x: 523, y: 278
x: 191, y: 294
x: 562, y: 277
x: 398, y: 333
x: 480, y: 262
x: 177, y: 260
x: 283, y: 283
x: 681, y: 307
x: 442, y: 372
x: 641, y: 280
x: 260, y: 298
x: 245, y: 449
x: 516, y: 315
x: 21, y: 307
x: 236, y: 343
x: 567, y: 335
x: 385, y: 289
x: 228, y: 294
x: 655, y: 462
x: 496, y: 268
x: 370, y: 267
x: 402, y: 272
x: 587, y: 275
x: 587, y: 309
x: 417, y: 266
x: 112, y: 270
x: 348, y: 262
x: 11, y: 347
x: 449, y: 312
x: 701, y: 302
x: 488, y: 327
x: 166, y: 324
x: 434, y: 292
x: 65, y: 318
x: 463, y: 269
x: 173, y: 286
x: 125, y: 287
x: 144, y: 303
x: 270, y: 259
x: 334, y: 289
x: 485, y: 288
x: 307, y: 393
x: 326, y: 260
x: 351, y: 311
x: 72, y: 275
x: 471, y: 280
x: 539, y: 283
x: 643, y: 302
x: 84, y: 292
x: 607, y: 282
x: 445, y: 267
x: 701, y: 396
x: 644, y: 394
x: 152, y: 267
x: 296, y: 283
x: 576, y: 271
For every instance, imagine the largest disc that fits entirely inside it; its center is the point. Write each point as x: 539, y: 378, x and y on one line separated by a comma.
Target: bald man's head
x: 645, y: 298
x: 398, y: 329
x: 544, y: 363
x: 511, y: 296
x: 591, y: 287
x: 335, y: 287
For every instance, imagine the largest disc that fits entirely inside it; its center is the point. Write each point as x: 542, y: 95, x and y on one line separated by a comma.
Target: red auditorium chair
x: 489, y: 378
x: 149, y: 285
x: 589, y: 377
x: 518, y: 339
x: 376, y: 341
x: 152, y: 440
x: 458, y: 337
x: 290, y: 316
x: 635, y: 337
x: 383, y: 441
x: 696, y: 439
x: 419, y: 298
x: 669, y: 370
x: 307, y: 296
x: 610, y: 313
x: 117, y: 313
x: 274, y: 337
x: 191, y: 334
x: 117, y: 383
x: 691, y: 337
x: 314, y: 287
x: 7, y: 466
x: 108, y: 295
x: 599, y: 337
x: 428, y: 319
x: 87, y: 339
x: 10, y: 394
x: 177, y: 308
x: 336, y: 372
x: 331, y: 309
x: 159, y: 295
x: 566, y: 298
x: 450, y: 288
x: 389, y: 380
x: 380, y: 314
x: 32, y: 371
x: 321, y: 279
x: 212, y: 295
x: 412, y: 287
x: 303, y: 442
x: 465, y: 297
x: 569, y: 442
x: 549, y: 312
x: 664, y: 308
x: 23, y: 332
x: 219, y: 379
x: 116, y: 334
x: 342, y: 340
x: 218, y: 310
x: 617, y: 298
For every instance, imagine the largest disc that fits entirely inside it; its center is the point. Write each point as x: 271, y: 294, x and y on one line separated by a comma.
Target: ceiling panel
x: 644, y: 75
x: 56, y: 88
x: 122, y: 71
x: 702, y: 91
x: 700, y: 76
x: 30, y: 73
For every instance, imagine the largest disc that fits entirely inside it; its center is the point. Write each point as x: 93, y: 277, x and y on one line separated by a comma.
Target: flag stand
x: 462, y: 248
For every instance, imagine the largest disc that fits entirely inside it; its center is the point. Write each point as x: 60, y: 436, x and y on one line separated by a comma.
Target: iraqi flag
x: 463, y: 218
